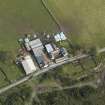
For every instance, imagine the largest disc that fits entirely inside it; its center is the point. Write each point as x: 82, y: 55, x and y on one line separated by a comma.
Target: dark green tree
x: 14, y: 99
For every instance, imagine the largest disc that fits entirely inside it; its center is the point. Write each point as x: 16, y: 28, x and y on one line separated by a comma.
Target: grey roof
x: 40, y: 60
x: 49, y: 48
x: 37, y: 51
x: 35, y: 43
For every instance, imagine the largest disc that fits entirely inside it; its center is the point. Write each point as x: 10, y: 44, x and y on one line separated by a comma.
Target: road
x: 51, y: 67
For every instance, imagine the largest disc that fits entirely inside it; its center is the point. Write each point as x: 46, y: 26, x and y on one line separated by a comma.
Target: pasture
x: 84, y: 21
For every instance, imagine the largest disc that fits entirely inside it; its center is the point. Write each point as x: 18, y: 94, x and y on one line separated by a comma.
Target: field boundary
x: 51, y: 14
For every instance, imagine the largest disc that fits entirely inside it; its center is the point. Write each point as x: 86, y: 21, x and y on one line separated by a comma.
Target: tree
x: 81, y: 64
x: 14, y: 99
x: 25, y: 92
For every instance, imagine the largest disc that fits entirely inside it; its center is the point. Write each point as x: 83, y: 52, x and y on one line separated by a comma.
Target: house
x: 28, y: 65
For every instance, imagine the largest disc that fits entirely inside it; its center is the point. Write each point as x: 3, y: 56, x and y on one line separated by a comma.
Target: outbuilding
x: 49, y: 48
x: 36, y: 43
x: 60, y: 37
x: 28, y: 65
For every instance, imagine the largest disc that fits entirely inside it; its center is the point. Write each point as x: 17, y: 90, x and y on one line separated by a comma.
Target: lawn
x: 18, y: 17
x: 84, y: 21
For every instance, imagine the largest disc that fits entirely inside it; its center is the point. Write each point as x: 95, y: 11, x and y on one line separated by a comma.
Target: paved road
x: 51, y: 67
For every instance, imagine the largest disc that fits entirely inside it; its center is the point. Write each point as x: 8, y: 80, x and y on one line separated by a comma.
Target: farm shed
x: 59, y: 37
x: 62, y: 36
x: 35, y: 43
x: 28, y: 65
x: 49, y: 48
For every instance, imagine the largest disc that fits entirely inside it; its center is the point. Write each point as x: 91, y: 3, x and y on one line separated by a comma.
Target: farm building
x: 55, y: 52
x: 36, y: 44
x: 63, y: 52
x: 37, y: 49
x: 43, y: 54
x: 52, y: 50
x: 26, y: 40
x: 60, y: 37
x: 49, y: 48
x: 32, y: 44
x: 28, y: 65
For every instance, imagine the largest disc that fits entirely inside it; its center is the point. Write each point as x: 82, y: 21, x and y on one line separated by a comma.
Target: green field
x: 19, y: 17
x: 83, y: 20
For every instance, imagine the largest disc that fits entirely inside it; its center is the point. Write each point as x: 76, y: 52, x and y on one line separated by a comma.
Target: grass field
x: 83, y: 20
x: 18, y: 17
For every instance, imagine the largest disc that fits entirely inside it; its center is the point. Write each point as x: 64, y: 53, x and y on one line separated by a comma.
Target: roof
x: 28, y: 65
x: 35, y: 43
x: 37, y: 51
x: 40, y: 60
x: 27, y: 46
x: 57, y: 37
x: 60, y: 37
x: 26, y: 40
x: 49, y: 48
x: 64, y: 51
